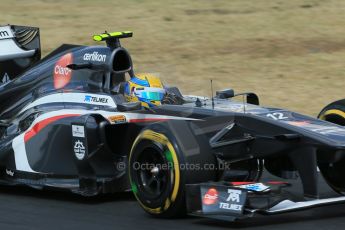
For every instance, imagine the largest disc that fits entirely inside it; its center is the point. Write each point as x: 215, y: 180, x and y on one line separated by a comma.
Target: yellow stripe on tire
x: 332, y: 112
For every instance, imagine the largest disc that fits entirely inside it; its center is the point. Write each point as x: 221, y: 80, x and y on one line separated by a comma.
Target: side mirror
x: 225, y: 94
x: 253, y: 99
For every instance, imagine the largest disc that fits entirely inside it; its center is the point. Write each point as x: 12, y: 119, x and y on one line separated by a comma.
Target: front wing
x: 240, y: 200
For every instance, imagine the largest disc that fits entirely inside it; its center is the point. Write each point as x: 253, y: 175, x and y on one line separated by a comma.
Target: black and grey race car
x: 65, y: 124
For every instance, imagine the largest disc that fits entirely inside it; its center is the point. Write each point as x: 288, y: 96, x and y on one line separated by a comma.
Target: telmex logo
x: 4, y: 34
x: 94, y: 57
x: 234, y: 195
x: 211, y: 197
x: 89, y: 98
x: 62, y: 75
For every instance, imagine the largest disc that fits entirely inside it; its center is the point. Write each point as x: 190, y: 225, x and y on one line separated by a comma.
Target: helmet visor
x: 148, y: 93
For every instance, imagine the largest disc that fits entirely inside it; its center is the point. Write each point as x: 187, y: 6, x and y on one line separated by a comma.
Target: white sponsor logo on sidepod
x: 79, y: 150
x: 95, y: 56
x: 78, y: 131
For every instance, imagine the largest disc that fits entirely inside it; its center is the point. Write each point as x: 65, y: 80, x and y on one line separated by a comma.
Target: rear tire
x: 162, y: 149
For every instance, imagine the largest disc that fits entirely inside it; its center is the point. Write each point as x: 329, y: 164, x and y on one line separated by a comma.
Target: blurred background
x: 291, y: 53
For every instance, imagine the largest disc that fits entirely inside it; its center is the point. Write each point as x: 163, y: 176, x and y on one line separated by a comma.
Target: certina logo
x: 62, y: 74
x: 210, y: 197
x: 4, y: 33
x: 90, y: 99
x: 79, y: 150
x: 95, y: 56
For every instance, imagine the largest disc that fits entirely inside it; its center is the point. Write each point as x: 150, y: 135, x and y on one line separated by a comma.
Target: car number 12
x: 276, y: 116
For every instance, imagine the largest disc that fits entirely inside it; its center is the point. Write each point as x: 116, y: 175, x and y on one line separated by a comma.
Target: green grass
x: 292, y: 53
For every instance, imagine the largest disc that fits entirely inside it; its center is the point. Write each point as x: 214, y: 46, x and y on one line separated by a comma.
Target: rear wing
x: 19, y: 49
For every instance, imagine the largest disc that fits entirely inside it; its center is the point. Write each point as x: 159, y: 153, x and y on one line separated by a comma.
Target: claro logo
x: 62, y: 75
x: 210, y: 197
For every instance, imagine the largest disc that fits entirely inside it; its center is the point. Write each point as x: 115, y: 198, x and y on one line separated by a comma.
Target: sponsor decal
x: 298, y: 123
x: 117, y: 119
x: 233, y: 207
x: 9, y: 172
x: 5, y: 78
x: 222, y: 199
x: 61, y: 74
x: 210, y: 197
x: 91, y: 99
x: 319, y: 127
x: 234, y: 195
x: 79, y: 150
x: 78, y: 131
x: 95, y: 56
x: 4, y: 34
x: 87, y: 98
x: 257, y: 187
x: 233, y: 198
x: 328, y: 130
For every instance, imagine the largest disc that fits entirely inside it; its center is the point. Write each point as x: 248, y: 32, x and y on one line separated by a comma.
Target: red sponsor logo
x: 62, y: 74
x: 211, y: 197
x: 299, y: 123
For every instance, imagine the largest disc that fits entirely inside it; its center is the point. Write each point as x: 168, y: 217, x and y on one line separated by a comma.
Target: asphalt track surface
x: 25, y: 208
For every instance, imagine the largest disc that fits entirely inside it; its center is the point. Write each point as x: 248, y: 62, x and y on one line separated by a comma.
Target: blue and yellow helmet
x: 146, y: 88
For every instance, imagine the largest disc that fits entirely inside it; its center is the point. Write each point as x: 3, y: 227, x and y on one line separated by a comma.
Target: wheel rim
x: 334, y: 175
x: 335, y: 118
x: 153, y: 175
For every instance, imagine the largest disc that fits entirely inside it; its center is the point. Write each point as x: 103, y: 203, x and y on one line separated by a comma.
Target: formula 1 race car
x: 65, y: 124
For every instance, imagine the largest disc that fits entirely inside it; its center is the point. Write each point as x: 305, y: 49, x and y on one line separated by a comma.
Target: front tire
x: 334, y: 173
x: 156, y: 176
x: 334, y: 112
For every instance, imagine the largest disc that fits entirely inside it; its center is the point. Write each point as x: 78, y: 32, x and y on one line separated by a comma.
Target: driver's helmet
x: 146, y: 88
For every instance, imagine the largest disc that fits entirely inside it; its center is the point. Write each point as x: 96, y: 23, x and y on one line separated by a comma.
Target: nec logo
x: 91, y: 99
